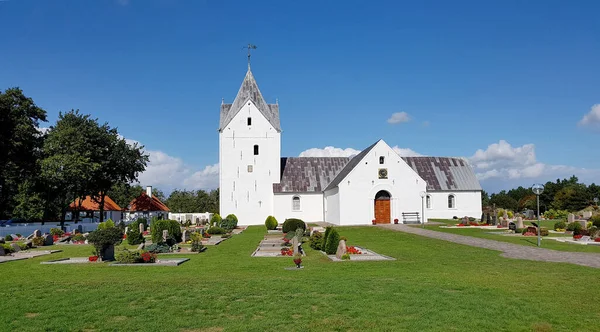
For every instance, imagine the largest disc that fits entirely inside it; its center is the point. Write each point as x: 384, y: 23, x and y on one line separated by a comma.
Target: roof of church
x: 444, y: 173
x: 249, y: 91
x: 349, y: 167
x: 308, y: 174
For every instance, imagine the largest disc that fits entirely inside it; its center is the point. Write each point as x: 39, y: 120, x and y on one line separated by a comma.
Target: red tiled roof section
x: 89, y: 204
x: 145, y: 203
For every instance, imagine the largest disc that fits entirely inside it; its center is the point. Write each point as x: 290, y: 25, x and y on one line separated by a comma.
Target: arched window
x: 256, y: 149
x: 296, y: 203
x: 382, y: 160
x: 428, y: 201
x: 451, y: 202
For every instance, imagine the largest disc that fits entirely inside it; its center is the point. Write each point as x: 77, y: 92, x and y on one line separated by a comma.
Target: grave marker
x: 341, y: 249
x: 570, y: 218
x: 520, y: 222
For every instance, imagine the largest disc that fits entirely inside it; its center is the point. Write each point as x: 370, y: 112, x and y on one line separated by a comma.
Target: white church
x: 377, y: 185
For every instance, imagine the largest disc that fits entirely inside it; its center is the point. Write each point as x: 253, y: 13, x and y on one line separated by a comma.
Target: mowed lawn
x: 432, y: 286
x: 522, y: 240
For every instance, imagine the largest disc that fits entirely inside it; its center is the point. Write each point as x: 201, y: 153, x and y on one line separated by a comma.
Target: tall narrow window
x: 296, y: 203
x: 428, y: 201
x: 382, y: 160
x: 256, y: 150
x: 249, y: 121
x: 451, y: 202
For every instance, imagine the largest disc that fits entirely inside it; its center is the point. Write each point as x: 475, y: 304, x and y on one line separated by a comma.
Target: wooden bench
x: 411, y: 218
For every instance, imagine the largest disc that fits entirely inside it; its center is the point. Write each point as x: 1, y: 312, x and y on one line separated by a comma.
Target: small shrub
x: 316, y: 241
x: 56, y: 231
x: 343, y: 238
x: 8, y: 238
x: 560, y: 225
x: 454, y: 217
x: 158, y: 248
x: 216, y: 230
x: 137, y: 222
x: 171, y: 226
x: 107, y: 224
x: 346, y: 257
x: 333, y: 240
x: 128, y: 257
x: 134, y: 237
x: 520, y: 230
x: 215, y: 220
x: 544, y: 231
x: 290, y: 225
x: 271, y: 223
x: 7, y: 248
x: 595, y: 220
x: 593, y: 231
x: 510, y: 214
x: 76, y: 238
x: 327, y: 231
x: 103, y: 238
x: 574, y: 226
x: 19, y: 235
x: 38, y: 241
x: 229, y: 223
x: 23, y: 245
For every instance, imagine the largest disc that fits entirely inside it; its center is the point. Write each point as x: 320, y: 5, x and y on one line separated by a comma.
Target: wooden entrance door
x: 382, y: 211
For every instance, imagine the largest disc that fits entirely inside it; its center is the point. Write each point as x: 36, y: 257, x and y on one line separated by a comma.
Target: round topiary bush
x: 134, y: 237
x: 333, y: 240
x: 271, y: 223
x: 215, y: 220
x: 316, y: 241
x: 574, y: 226
x: 560, y: 225
x: 229, y: 223
x: 290, y: 225
x: 216, y: 230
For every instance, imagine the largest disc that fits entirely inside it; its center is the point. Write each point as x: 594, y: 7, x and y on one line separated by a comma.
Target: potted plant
x: 396, y: 221
x: 374, y: 222
x: 93, y: 258
x: 298, y: 260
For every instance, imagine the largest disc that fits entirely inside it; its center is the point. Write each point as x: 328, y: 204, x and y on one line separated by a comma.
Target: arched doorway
x: 382, y: 207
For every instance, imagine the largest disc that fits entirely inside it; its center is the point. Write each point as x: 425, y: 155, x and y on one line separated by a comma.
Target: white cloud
x: 398, y: 117
x: 208, y: 178
x: 405, y: 152
x: 329, y: 151
x: 592, y: 118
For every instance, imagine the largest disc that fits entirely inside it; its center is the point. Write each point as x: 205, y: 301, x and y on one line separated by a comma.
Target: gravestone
x: 2, y: 253
x: 15, y: 247
x: 341, y: 249
x: 295, y: 245
x: 141, y: 246
x: 512, y: 226
x: 108, y: 254
x: 583, y: 223
x: 505, y: 215
x: 80, y: 228
x: 37, y: 233
x: 29, y: 243
x: 48, y: 240
x: 165, y: 235
x: 126, y: 230
x: 587, y: 214
x: 465, y: 220
x: 1, y: 239
x: 520, y: 222
x: 141, y: 228
x: 570, y: 218
x: 494, y: 220
x: 185, y: 236
x: 489, y: 218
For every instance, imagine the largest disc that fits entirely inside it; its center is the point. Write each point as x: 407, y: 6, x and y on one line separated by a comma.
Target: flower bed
x: 529, y: 234
x: 287, y: 252
x: 597, y: 239
x: 577, y: 237
x: 352, y: 250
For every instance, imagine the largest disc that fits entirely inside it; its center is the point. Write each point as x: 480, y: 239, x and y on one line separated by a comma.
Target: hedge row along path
x: 509, y: 250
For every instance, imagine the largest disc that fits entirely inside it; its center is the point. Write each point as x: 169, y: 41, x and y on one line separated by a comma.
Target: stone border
x: 26, y: 254
x: 160, y: 262
x: 476, y: 227
x: 566, y: 239
x: 366, y: 256
x: 71, y: 260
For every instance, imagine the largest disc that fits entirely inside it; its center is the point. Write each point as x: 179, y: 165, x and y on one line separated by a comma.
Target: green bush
x: 574, y: 226
x: 172, y: 226
x: 346, y: 257
x: 197, y: 246
x: 595, y: 220
x: 134, y: 237
x: 290, y: 225
x: 333, y: 240
x: 137, y: 222
x: 316, y: 241
x: 327, y: 231
x: 229, y: 223
x: 126, y: 256
x: 158, y: 248
x: 215, y: 220
x: 76, y: 237
x: 216, y: 230
x: 103, y: 238
x: 271, y: 223
x: 560, y: 225
x: 544, y: 231
x: 107, y: 224
x: 56, y: 231
x: 7, y: 248
x: 593, y: 231
x: 19, y: 235
x: 22, y: 245
x: 510, y: 214
x: 38, y: 241
x: 8, y: 238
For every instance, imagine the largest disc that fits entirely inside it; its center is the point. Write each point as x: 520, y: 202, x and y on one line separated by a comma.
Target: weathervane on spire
x: 249, y: 47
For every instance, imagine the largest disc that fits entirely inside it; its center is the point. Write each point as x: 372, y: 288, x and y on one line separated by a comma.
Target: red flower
x: 577, y: 237
x: 597, y: 239
x: 148, y: 257
x: 93, y: 258
x: 353, y: 251
x: 286, y: 252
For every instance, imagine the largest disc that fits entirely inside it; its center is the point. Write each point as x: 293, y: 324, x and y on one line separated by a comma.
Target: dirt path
x: 509, y: 250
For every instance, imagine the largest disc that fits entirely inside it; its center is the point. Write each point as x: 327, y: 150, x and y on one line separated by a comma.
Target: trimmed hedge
x: 134, y: 237
x: 271, y: 223
x: 316, y: 241
x: 560, y: 225
x: 229, y: 223
x: 172, y: 226
x: 327, y: 231
x: 290, y: 225
x: 574, y: 226
x: 215, y: 220
x: 333, y: 240
x: 216, y: 230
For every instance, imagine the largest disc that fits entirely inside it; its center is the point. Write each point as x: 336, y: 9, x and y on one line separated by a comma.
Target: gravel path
x: 509, y: 250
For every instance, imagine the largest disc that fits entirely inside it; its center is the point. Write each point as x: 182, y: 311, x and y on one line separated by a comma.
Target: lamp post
x: 538, y: 189
x: 423, y: 194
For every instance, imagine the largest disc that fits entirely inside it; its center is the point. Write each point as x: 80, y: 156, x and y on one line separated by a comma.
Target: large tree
x: 20, y: 143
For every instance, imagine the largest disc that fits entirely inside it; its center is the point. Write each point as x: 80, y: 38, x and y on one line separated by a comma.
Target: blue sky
x: 513, y: 79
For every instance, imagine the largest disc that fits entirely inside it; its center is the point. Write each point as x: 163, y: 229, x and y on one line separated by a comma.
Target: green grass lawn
x: 522, y: 240
x: 433, y: 285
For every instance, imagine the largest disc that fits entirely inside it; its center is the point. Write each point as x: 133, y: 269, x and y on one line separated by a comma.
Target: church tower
x: 249, y: 154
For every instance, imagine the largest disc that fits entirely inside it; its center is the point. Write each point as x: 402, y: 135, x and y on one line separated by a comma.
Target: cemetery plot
x: 26, y: 255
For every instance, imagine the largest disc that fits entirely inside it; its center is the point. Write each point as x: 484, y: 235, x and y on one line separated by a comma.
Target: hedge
x: 332, y: 242
x: 172, y: 226
x: 290, y: 225
x: 271, y: 223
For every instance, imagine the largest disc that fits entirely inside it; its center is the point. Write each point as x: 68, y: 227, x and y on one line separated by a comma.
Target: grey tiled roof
x: 249, y: 91
x: 349, y: 167
x: 444, y: 174
x: 308, y: 174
